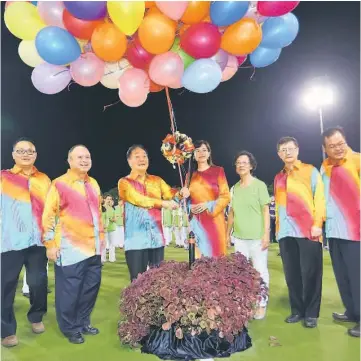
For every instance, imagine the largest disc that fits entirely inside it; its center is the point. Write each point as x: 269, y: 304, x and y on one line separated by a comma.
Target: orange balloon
x: 108, y: 42
x: 157, y: 33
x: 149, y: 4
x: 154, y: 87
x: 196, y: 11
x: 153, y: 10
x: 242, y: 37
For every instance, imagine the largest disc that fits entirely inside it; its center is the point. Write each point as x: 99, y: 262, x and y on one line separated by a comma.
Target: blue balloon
x: 202, y: 76
x: 34, y: 3
x: 224, y: 13
x: 57, y: 46
x: 280, y: 31
x: 262, y: 57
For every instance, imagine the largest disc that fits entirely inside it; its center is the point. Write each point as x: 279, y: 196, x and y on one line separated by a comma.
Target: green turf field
x: 328, y: 342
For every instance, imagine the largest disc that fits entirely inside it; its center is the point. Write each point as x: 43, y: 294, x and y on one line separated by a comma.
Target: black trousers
x: 139, y: 260
x: 345, y: 256
x: 302, y: 264
x: 273, y: 230
x: 76, y: 291
x: 35, y: 261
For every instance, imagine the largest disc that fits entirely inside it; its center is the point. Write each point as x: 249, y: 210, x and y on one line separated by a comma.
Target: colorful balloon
x: 23, y: 21
x: 155, y: 88
x: 280, y: 31
x: 149, y: 4
x: 242, y: 38
x: 231, y: 69
x: 221, y: 58
x: 57, y: 46
x: 112, y: 73
x: 187, y: 59
x: 28, y: 53
x: 81, y: 29
x: 241, y: 59
x: 87, y: 10
x: 50, y: 79
x: 173, y: 9
x: 134, y: 87
x: 108, y: 42
x: 262, y: 57
x: 201, y: 40
x: 51, y: 12
x: 87, y: 70
x: 157, y: 33
x: 196, y: 11
x: 166, y: 68
x: 224, y: 13
x: 126, y: 15
x: 276, y: 8
x: 203, y: 76
x: 137, y: 55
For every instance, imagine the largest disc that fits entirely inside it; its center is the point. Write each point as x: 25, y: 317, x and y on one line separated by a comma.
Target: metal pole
x: 321, y: 128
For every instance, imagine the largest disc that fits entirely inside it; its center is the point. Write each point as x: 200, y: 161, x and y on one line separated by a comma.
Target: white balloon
x: 112, y: 73
x: 28, y: 53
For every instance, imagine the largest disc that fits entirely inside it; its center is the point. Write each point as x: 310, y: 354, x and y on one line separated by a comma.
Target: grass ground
x: 328, y: 342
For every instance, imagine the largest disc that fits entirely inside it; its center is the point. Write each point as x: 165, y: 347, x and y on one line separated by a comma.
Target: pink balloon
x: 276, y: 8
x: 51, y: 12
x: 87, y: 70
x: 231, y: 68
x: 50, y: 79
x: 221, y: 58
x: 166, y: 68
x: 173, y: 9
x: 176, y: 85
x: 134, y: 87
x: 241, y: 59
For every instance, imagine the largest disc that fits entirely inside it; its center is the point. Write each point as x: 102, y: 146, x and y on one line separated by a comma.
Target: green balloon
x: 187, y: 59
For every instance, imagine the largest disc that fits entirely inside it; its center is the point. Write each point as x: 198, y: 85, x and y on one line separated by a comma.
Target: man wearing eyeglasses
x: 23, y: 193
x: 341, y: 176
x: 300, y: 213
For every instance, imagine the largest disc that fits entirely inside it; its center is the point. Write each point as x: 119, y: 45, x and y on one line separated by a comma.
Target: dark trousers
x: 34, y: 259
x: 302, y: 264
x: 345, y: 256
x: 76, y: 291
x: 273, y: 230
x: 139, y: 260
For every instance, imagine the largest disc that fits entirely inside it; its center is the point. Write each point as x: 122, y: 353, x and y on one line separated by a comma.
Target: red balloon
x: 201, y: 40
x: 137, y: 55
x: 241, y: 59
x: 276, y: 8
x: 81, y: 29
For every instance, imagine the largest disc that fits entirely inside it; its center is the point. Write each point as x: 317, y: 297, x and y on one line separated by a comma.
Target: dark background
x: 239, y: 114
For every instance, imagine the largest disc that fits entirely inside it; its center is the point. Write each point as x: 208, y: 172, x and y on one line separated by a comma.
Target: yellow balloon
x: 112, y: 73
x: 28, y: 53
x: 126, y: 15
x: 23, y: 20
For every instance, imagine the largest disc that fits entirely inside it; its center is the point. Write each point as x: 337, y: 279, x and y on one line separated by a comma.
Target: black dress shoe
x: 293, y: 319
x: 76, y: 338
x: 27, y: 295
x: 355, y: 332
x: 310, y: 322
x: 89, y: 330
x: 341, y: 317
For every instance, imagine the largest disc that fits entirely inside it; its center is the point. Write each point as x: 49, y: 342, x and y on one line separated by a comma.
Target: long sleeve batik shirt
x: 72, y: 218
x: 22, y: 205
x: 143, y: 197
x: 300, y: 202
x: 342, y: 193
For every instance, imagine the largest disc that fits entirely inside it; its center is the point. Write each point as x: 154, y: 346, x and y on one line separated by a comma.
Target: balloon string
x: 109, y: 105
x: 71, y: 83
x: 63, y: 71
x: 253, y: 74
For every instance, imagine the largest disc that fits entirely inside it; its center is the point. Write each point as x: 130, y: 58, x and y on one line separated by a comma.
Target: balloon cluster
x: 140, y: 47
x: 177, y: 148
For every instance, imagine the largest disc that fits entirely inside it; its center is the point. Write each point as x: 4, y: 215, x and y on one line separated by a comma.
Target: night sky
x: 239, y: 114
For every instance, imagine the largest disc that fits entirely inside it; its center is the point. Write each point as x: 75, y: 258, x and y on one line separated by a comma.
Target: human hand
x: 198, y: 208
x: 170, y: 204
x: 53, y: 253
x: 316, y: 232
x: 184, y: 192
x: 265, y: 242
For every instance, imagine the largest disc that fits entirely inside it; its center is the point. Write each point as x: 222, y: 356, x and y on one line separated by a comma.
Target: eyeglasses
x: 334, y: 146
x: 241, y: 163
x: 287, y: 150
x: 25, y: 151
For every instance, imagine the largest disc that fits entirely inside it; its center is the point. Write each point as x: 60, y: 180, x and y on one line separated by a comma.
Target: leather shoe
x: 355, y: 332
x: 76, y: 338
x: 310, y: 322
x: 341, y: 317
x: 293, y: 319
x: 90, y: 330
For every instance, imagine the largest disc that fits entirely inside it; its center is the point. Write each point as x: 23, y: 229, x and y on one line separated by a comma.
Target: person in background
x: 74, y: 238
x: 300, y: 213
x: 249, y: 221
x: 23, y: 193
x: 272, y: 213
x: 119, y: 215
x: 111, y: 234
x: 167, y: 220
x: 341, y: 177
x: 177, y: 227
x: 209, y: 196
x: 185, y: 227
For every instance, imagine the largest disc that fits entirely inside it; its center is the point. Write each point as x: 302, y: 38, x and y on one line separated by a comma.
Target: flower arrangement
x: 217, y: 295
x: 177, y: 148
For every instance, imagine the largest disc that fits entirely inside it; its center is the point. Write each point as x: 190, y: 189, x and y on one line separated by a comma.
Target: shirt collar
x: 74, y: 176
x: 329, y: 162
x: 296, y: 166
x: 134, y: 175
x: 18, y: 170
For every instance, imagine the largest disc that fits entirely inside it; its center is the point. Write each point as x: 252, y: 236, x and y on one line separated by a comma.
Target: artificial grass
x: 328, y: 342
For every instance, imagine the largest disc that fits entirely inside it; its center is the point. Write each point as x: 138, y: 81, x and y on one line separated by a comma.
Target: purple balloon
x: 50, y: 79
x: 87, y: 10
x: 221, y: 58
